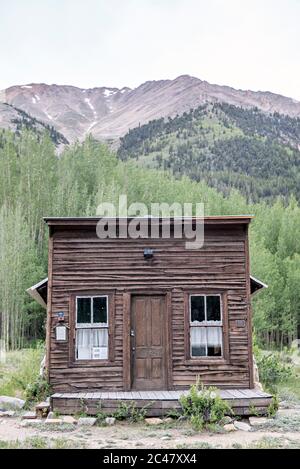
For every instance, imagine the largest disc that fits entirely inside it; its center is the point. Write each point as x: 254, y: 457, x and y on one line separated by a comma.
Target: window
x: 91, y: 327
x: 205, y: 326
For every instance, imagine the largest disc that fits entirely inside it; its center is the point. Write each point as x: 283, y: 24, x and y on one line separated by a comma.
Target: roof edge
x: 259, y: 282
x: 34, y: 293
x: 93, y: 220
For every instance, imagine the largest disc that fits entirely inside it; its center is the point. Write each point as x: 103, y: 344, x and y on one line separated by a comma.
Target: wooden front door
x: 148, y: 342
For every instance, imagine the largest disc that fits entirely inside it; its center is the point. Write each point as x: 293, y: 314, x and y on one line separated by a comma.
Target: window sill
x: 90, y: 363
x: 207, y: 361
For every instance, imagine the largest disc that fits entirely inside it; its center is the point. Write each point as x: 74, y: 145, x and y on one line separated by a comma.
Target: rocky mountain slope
x: 16, y: 119
x: 108, y: 113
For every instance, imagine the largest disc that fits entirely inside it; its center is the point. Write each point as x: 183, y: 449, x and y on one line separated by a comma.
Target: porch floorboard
x: 242, y: 401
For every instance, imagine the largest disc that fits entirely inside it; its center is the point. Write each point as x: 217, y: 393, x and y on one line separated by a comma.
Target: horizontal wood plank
x: 155, y: 402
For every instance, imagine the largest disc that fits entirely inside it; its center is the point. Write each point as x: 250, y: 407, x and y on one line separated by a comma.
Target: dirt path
x: 124, y: 435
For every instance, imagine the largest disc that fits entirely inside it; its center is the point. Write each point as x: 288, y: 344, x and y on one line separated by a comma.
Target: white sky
x: 249, y: 44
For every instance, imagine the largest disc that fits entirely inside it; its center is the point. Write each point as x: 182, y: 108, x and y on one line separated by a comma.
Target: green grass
x: 38, y: 442
x: 196, y: 445
x: 265, y: 442
x: 54, y: 427
x: 270, y: 443
x: 20, y: 369
x: 282, y: 424
x: 290, y: 389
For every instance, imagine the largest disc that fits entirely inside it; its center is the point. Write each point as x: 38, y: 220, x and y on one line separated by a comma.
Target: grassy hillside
x: 226, y: 146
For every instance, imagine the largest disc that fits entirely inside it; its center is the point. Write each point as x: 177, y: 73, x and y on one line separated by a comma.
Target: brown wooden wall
x: 79, y: 262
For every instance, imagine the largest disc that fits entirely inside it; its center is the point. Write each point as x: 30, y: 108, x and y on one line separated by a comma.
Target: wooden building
x: 141, y: 319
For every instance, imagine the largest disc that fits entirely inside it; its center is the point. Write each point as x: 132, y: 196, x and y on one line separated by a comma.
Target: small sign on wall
x: 240, y: 323
x: 61, y: 332
x: 61, y: 328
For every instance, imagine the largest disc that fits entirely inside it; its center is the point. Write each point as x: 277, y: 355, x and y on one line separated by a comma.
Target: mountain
x: 229, y: 138
x: 225, y: 145
x: 108, y: 113
x: 17, y: 120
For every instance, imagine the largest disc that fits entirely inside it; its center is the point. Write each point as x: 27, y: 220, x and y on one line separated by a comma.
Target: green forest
x: 35, y: 182
x: 226, y: 146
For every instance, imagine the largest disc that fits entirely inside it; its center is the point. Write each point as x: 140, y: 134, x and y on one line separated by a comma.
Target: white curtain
x: 100, y: 344
x: 198, y: 341
x: 92, y: 344
x: 203, y: 337
x: 198, y: 336
x: 83, y: 343
x: 100, y: 338
x: 214, y: 336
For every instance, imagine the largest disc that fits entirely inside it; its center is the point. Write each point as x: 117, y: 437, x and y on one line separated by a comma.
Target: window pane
x: 100, y: 310
x: 83, y: 310
x: 214, y: 341
x: 92, y: 344
x: 197, y: 309
x: 83, y: 344
x: 100, y: 337
x: 100, y: 344
x: 198, y: 341
x: 213, y: 308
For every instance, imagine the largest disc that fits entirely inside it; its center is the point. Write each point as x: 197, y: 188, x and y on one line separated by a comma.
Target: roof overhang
x: 256, y: 285
x: 39, y: 292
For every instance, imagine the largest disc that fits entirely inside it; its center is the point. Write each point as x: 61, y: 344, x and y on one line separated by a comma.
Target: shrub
x: 129, y: 411
x: 204, y: 406
x: 273, y: 407
x: 39, y: 390
x: 272, y: 370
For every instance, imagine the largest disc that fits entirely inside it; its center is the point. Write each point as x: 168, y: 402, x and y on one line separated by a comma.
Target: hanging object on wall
x: 61, y: 329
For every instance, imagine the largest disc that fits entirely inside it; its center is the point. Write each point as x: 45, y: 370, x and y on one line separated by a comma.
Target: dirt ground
x: 140, y: 435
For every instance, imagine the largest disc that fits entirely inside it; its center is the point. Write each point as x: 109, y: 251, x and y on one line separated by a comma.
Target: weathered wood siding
x: 81, y: 262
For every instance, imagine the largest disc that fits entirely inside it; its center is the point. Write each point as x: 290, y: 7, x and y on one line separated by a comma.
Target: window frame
x: 205, y: 324
x: 92, y: 362
x: 222, y: 359
x: 91, y: 326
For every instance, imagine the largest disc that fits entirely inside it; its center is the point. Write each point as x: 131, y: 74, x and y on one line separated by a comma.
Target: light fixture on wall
x: 148, y: 253
x: 60, y: 316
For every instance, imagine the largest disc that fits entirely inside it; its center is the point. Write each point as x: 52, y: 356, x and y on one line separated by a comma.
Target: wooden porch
x: 159, y: 403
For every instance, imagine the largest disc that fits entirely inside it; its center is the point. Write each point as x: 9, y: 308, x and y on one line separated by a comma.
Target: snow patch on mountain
x: 91, y: 106
x: 88, y: 101
x: 90, y: 127
x: 49, y: 116
x: 108, y: 93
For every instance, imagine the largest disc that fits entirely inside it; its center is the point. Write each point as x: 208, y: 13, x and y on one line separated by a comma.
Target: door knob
x: 132, y: 333
x: 133, y: 349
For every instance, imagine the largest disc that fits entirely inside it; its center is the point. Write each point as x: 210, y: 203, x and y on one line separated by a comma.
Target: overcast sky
x: 248, y: 44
